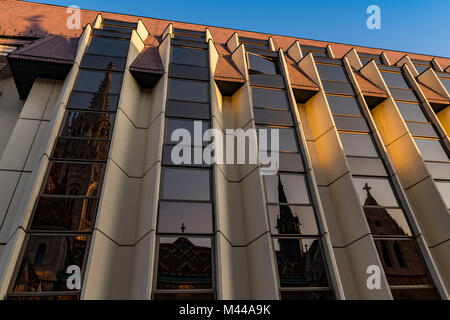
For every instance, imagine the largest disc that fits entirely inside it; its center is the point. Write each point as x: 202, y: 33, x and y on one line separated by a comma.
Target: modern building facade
x: 88, y: 183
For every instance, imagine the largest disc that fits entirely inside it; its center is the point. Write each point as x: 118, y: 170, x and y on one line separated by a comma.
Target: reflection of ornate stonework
x: 298, y: 265
x: 45, y: 262
x: 183, y: 265
x: 401, y: 260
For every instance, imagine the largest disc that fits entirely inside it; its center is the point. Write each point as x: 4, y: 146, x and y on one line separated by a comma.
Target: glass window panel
x: 292, y: 220
x: 109, y: 47
x: 94, y: 125
x: 286, y: 188
x: 124, y: 24
x: 43, y: 298
x: 102, y: 62
x: 358, y: 144
x: 45, y: 262
x: 186, y: 109
x: 296, y: 258
x: 403, y: 94
x: 446, y: 83
x: 266, y: 80
x: 174, y: 124
x: 411, y: 112
x: 287, y: 138
x: 439, y: 170
x: 315, y: 54
x: 186, y: 184
x: 118, y: 29
x: 196, y: 91
x: 276, y: 117
x: 110, y: 33
x: 421, y: 129
x: 194, y: 33
x: 402, y: 262
x: 188, y: 72
x: 291, y: 162
x: 202, y: 296
x: 343, y: 105
x: 387, y: 222
x: 420, y: 68
x: 201, y: 44
x: 395, y: 80
x: 93, y: 101
x: 64, y: 214
x: 351, y: 123
x: 307, y: 295
x: 270, y: 98
x: 189, y: 38
x: 184, y: 263
x: 374, y: 192
x: 81, y: 149
x: 167, y: 157
x: 337, y: 87
x: 331, y: 72
x: 185, y: 217
x: 260, y: 64
x: 73, y: 179
x: 415, y: 294
x: 444, y: 190
x: 366, y: 166
x: 431, y: 150
x: 189, y: 56
x: 100, y: 82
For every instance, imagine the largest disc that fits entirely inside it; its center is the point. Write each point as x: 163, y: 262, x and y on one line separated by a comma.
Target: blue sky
x: 413, y: 26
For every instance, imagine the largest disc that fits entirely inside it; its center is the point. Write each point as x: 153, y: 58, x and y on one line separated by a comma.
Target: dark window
x: 64, y: 214
x: 395, y: 80
x: 411, y: 112
x: 49, y: 275
x: 385, y: 253
x: 195, y: 91
x: 289, y: 162
x: 268, y: 116
x: 296, y: 258
x: 185, y: 217
x: 191, y: 160
x: 446, y: 83
x: 266, y: 80
x: 343, y: 105
x: 40, y: 255
x: 403, y: 94
x: 184, y: 296
x: 99, y: 82
x: 431, y: 150
x: 260, y: 64
x: 421, y: 68
x: 188, y: 72
x: 269, y: 98
x: 117, y: 29
x: 81, y: 149
x: 123, y: 24
x: 184, y: 263
x: 43, y: 298
x: 189, y: 56
x: 421, y: 129
x: 399, y: 255
x: 415, y: 294
x: 108, y: 47
x: 186, y: 109
x: 366, y: 166
x: 111, y: 33
x: 337, y: 87
x: 358, y: 144
x: 293, y: 220
x: 93, y: 101
x: 73, y: 179
x: 331, y: 72
x: 186, y: 184
x: 286, y: 188
x: 94, y: 125
x: 351, y: 123
x: 174, y: 124
x: 413, y: 273
x: 100, y: 62
x: 307, y: 295
x: 287, y: 138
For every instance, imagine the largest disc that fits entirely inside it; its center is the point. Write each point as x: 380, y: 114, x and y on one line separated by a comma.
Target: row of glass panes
x: 185, y: 215
x: 292, y: 218
x: 428, y: 141
x: 64, y: 214
x: 400, y: 257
